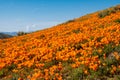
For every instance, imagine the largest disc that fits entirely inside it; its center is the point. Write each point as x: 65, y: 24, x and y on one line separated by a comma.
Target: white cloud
x: 40, y: 25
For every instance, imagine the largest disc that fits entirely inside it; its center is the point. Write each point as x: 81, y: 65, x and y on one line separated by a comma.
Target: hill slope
x: 3, y: 36
x: 10, y: 33
x: 85, y: 48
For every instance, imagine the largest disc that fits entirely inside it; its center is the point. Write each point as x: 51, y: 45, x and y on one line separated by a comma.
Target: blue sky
x: 31, y: 15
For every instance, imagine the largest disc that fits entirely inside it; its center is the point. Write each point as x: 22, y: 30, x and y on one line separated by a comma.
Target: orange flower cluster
x: 45, y: 51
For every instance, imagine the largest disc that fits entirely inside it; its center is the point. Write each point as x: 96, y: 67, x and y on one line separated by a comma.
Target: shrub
x: 21, y: 33
x: 42, y: 36
x: 117, y: 7
x: 117, y: 20
x: 103, y: 14
x: 108, y: 11
x: 76, y: 31
x: 69, y: 21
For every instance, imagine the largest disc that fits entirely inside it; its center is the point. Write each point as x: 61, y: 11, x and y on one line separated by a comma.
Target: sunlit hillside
x: 86, y: 48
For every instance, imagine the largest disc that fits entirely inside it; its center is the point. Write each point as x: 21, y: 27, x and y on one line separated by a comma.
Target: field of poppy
x: 86, y: 48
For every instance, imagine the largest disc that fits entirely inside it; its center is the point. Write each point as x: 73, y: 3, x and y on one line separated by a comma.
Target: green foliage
x: 108, y: 49
x: 7, y: 70
x: 109, y: 11
x: 117, y: 48
x: 42, y: 36
x: 76, y: 31
x: 14, y: 78
x: 70, y: 21
x: 67, y: 70
x: 21, y: 33
x: 49, y: 64
x: 1, y: 72
x: 99, y: 39
x: 117, y: 20
x: 12, y: 66
x: 77, y: 74
x: 77, y: 46
x: 91, y: 37
x: 104, y: 71
x: 101, y: 26
x: 104, y: 13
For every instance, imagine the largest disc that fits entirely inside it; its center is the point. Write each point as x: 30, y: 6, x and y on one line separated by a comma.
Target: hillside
x: 84, y: 48
x: 10, y: 33
x: 3, y: 36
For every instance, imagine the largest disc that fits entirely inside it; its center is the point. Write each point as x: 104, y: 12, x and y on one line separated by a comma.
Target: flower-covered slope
x: 84, y: 48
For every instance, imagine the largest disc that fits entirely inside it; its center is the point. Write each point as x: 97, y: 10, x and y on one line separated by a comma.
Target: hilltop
x: 84, y: 48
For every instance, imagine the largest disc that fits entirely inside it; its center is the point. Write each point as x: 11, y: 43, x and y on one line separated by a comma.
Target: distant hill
x: 3, y: 36
x: 86, y: 48
x: 10, y: 33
